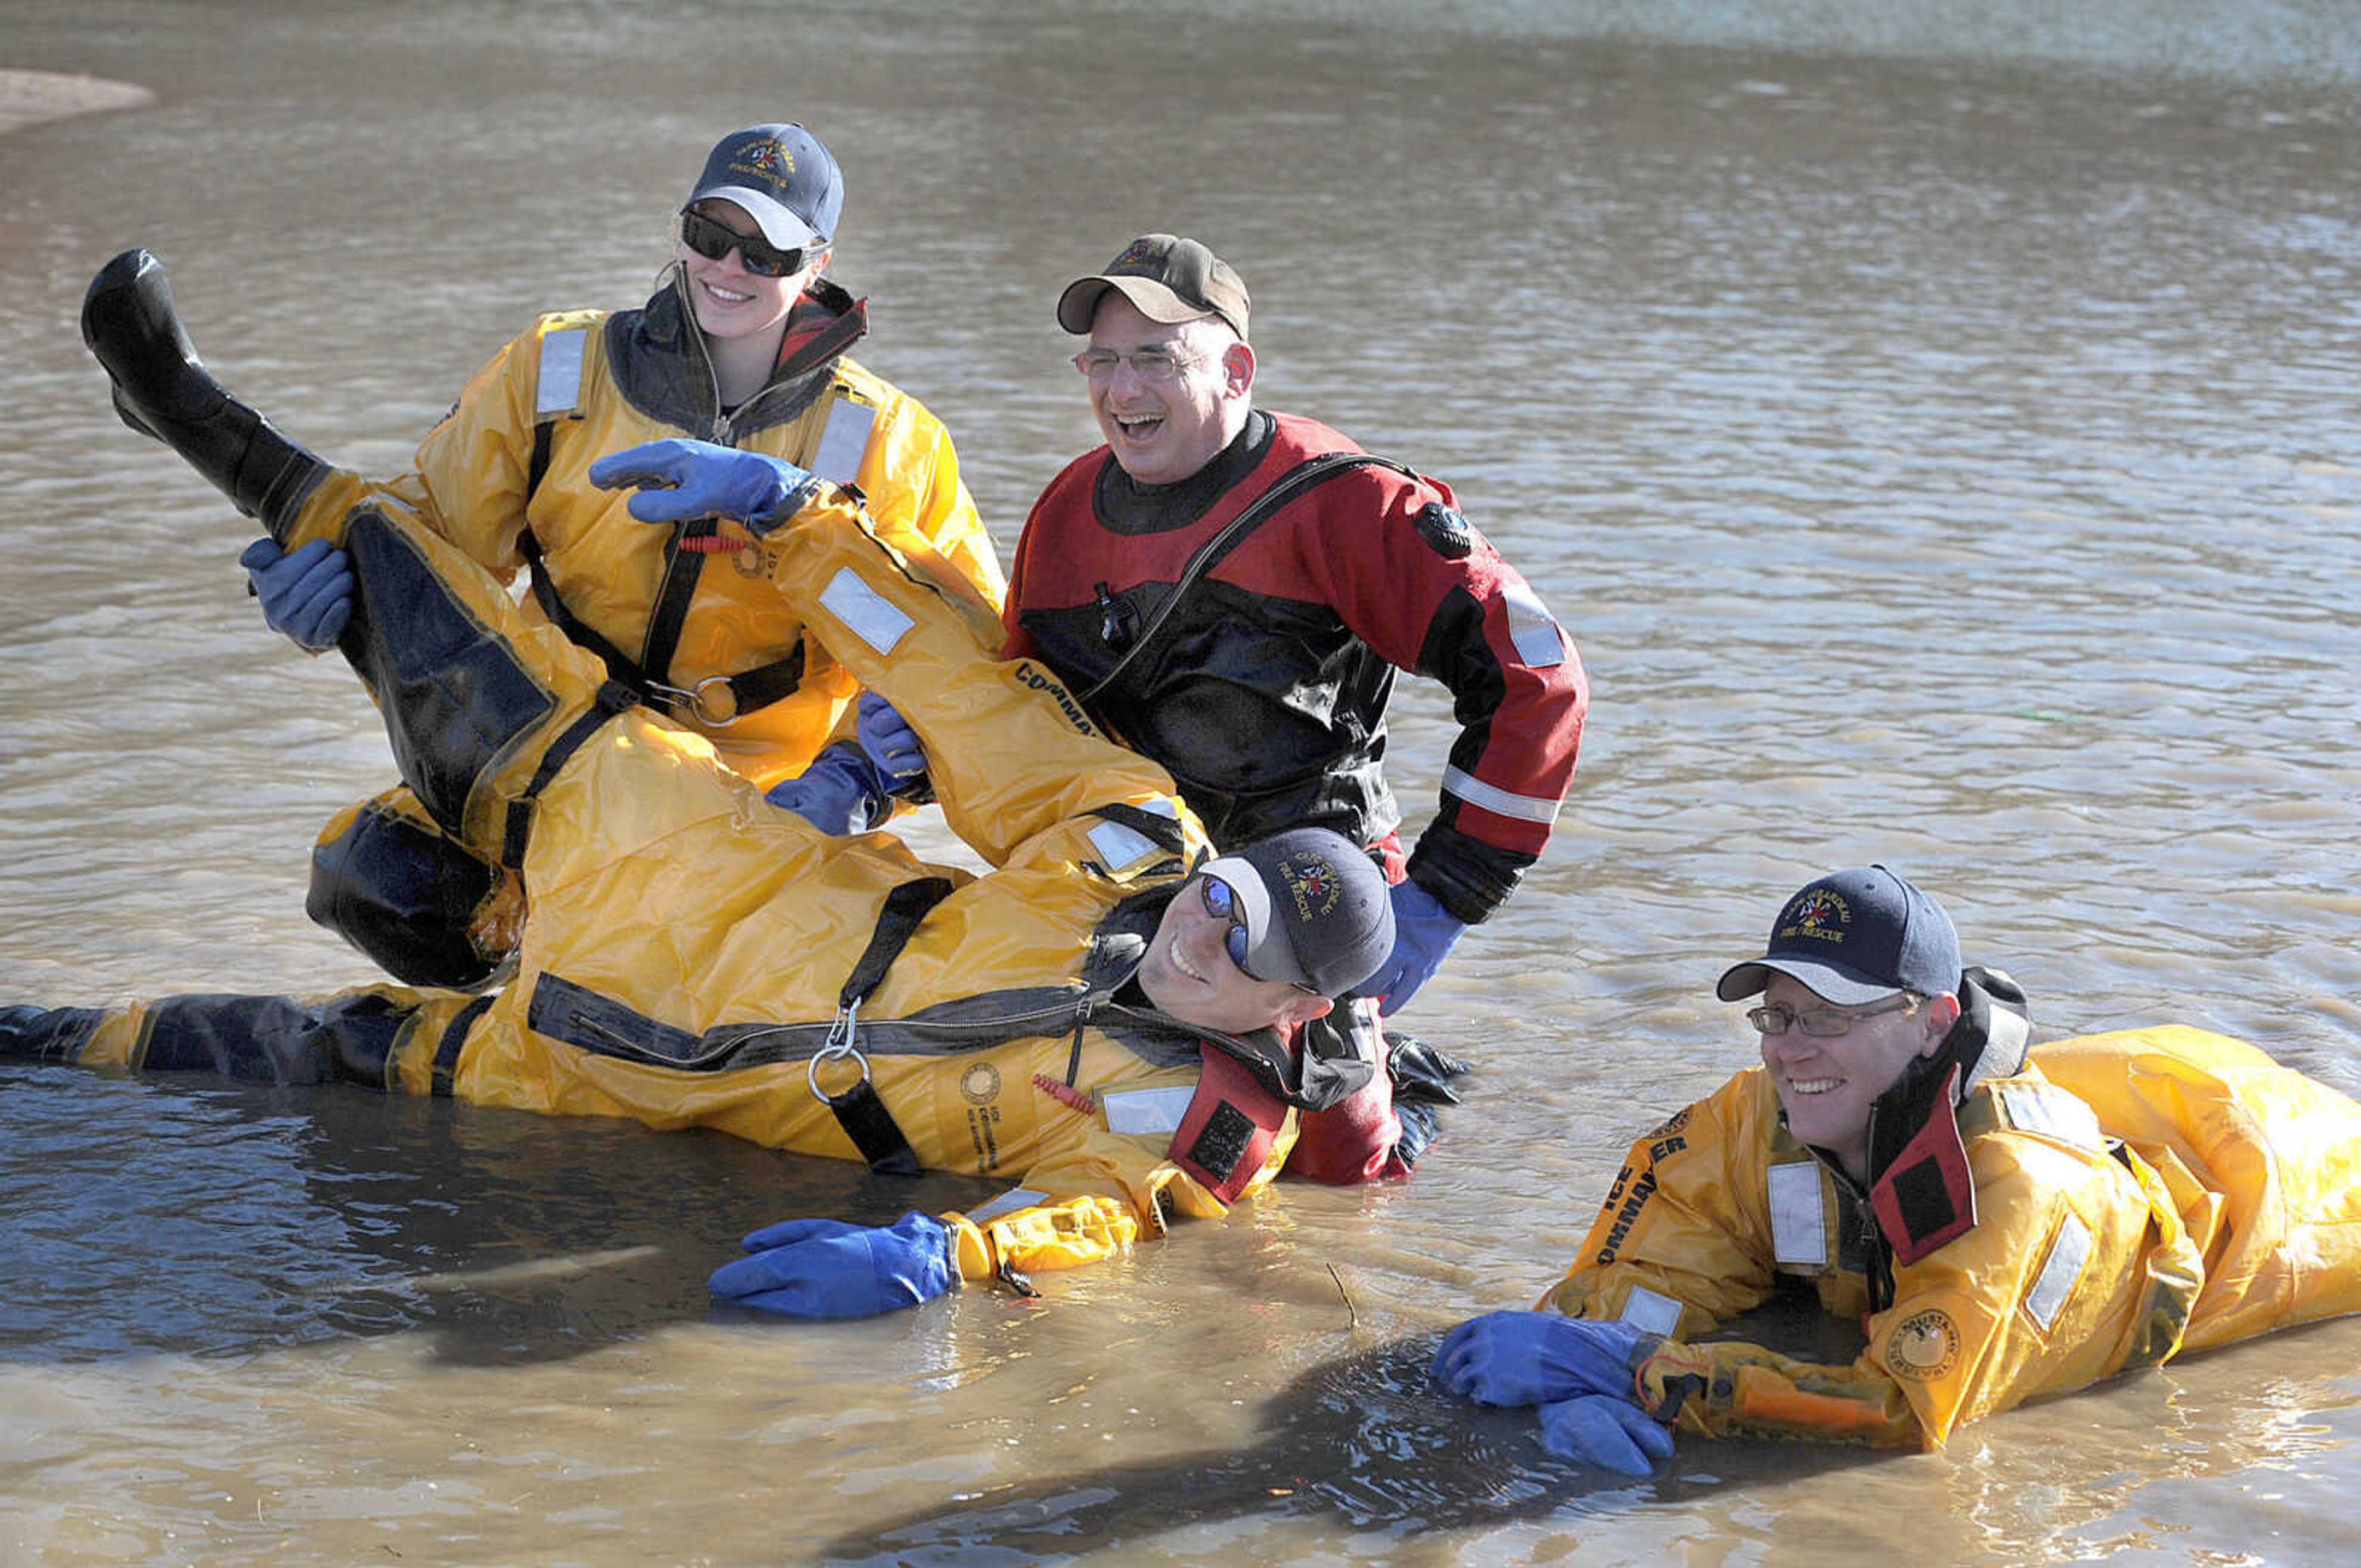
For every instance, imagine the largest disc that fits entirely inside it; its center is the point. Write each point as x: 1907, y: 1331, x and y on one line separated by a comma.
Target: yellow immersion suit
x: 2136, y: 1194
x: 503, y: 478
x: 687, y: 941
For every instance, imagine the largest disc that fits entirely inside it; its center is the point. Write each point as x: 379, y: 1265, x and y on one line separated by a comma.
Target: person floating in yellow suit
x: 2008, y: 1224
x: 1121, y: 1026
x: 745, y: 343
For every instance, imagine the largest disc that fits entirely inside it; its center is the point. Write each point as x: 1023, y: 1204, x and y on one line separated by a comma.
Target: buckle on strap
x: 838, y: 1047
x: 713, y: 701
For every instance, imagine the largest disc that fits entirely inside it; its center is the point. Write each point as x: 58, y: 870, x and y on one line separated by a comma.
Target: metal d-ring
x: 836, y: 1047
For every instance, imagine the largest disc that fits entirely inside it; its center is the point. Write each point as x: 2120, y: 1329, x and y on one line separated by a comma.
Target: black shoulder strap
x: 577, y: 630
x: 1286, y: 487
x: 683, y: 563
x: 897, y: 922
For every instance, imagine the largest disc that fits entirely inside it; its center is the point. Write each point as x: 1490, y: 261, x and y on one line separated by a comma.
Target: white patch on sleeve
x: 1651, y: 1312
x: 1533, y: 628
x: 1008, y: 1202
x: 844, y: 441
x: 864, y: 611
x: 2053, y: 1112
x: 559, y: 388
x: 1498, y: 802
x: 1799, y: 1220
x: 1143, y: 1112
x: 1119, y: 846
x: 2054, y: 1287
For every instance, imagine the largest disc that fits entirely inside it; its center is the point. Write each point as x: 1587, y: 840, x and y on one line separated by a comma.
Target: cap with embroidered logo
x: 1167, y: 279
x: 785, y: 180
x: 1855, y: 937
x: 1316, y: 908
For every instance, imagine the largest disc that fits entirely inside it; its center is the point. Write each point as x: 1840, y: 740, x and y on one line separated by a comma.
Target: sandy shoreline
x: 28, y: 97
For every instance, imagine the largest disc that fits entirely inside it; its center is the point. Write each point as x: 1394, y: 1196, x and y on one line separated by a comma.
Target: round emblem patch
x: 981, y: 1083
x: 1924, y: 1346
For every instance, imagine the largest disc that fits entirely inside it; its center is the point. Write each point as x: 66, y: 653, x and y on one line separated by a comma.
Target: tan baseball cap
x: 1168, y: 278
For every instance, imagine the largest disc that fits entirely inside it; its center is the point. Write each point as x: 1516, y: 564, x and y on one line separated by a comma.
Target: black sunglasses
x: 756, y: 255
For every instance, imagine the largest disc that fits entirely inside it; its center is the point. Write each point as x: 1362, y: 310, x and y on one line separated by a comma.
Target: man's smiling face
x: 1162, y: 431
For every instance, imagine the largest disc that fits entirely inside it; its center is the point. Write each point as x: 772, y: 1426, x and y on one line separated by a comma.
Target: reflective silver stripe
x: 1144, y: 1113
x: 1498, y: 802
x: 844, y: 441
x: 1651, y: 1311
x: 1533, y: 628
x: 869, y: 615
x: 1799, y: 1222
x: 2053, y: 1112
x: 1119, y: 846
x: 1008, y: 1202
x: 2055, y: 1284
x: 559, y: 390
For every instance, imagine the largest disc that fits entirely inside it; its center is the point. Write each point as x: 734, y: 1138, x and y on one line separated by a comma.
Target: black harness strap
x: 749, y: 689
x: 670, y: 612
x: 538, y: 469
x: 454, y: 1037
x: 858, y: 1110
x: 1210, y: 554
x: 577, y: 630
x: 897, y: 921
x: 767, y: 683
x: 613, y: 699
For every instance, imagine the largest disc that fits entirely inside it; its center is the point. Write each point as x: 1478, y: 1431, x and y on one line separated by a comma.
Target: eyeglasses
x: 1159, y: 364
x: 756, y: 255
x: 1223, y: 905
x: 1826, y: 1022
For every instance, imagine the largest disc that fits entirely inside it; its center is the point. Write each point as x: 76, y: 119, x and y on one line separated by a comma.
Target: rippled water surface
x: 1938, y: 434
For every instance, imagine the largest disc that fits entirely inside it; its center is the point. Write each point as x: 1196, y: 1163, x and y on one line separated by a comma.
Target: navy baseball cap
x: 1855, y: 937
x: 784, y: 178
x: 1316, y: 909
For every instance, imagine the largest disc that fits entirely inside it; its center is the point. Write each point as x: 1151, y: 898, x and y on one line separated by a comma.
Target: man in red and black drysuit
x: 1232, y: 591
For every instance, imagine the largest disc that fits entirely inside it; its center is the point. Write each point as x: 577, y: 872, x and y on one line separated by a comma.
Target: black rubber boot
x: 407, y: 897
x: 163, y: 389
x: 45, y: 1034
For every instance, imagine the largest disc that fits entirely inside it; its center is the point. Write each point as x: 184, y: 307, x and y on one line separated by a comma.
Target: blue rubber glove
x: 893, y: 746
x: 1537, y: 1359
x: 682, y: 481
x: 1424, y: 934
x: 827, y: 1269
x: 307, y: 596
x: 1603, y: 1429
x: 839, y: 794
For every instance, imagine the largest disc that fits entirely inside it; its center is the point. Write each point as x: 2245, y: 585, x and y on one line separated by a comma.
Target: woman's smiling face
x: 1827, y: 1083
x: 730, y: 301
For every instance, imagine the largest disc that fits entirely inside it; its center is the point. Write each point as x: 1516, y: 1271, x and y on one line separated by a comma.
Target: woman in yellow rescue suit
x: 2007, y: 1224
x: 744, y: 343
x: 695, y: 955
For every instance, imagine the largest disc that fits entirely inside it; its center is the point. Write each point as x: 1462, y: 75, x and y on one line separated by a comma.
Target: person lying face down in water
x: 2008, y: 1223
x: 1124, y: 1027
